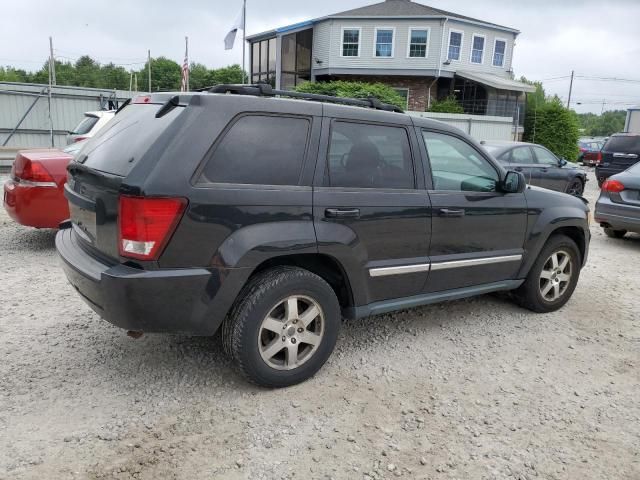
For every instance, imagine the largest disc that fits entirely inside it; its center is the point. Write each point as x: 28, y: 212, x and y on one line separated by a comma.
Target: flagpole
x: 244, y: 36
x: 186, y: 43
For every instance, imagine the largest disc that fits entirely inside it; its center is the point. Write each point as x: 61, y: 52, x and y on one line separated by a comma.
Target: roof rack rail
x: 266, y: 90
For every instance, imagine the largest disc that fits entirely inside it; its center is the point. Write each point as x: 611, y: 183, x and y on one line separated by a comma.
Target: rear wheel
x: 553, y: 277
x: 576, y: 188
x: 283, y: 328
x: 610, y: 232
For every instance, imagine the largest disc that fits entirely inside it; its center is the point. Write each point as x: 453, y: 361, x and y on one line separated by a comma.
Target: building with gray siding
x: 423, y: 52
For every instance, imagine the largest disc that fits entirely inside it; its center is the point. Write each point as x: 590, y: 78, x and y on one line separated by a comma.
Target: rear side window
x: 260, y: 150
x: 369, y: 156
x: 521, y: 155
x: 85, y: 125
x: 624, y: 144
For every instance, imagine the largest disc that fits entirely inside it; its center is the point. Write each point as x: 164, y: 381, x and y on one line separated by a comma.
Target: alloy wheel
x: 556, y: 276
x: 291, y: 332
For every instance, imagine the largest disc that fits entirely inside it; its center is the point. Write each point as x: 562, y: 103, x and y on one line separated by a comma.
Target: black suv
x: 272, y: 218
x: 621, y: 151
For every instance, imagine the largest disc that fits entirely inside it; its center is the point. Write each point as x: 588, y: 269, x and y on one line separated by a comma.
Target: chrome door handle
x: 447, y: 212
x: 342, y: 212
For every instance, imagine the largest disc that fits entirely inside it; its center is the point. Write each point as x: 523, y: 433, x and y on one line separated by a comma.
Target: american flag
x: 184, y: 84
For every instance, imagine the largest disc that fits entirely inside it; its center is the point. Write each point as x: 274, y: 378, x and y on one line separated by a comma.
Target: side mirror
x: 563, y: 162
x: 514, y: 182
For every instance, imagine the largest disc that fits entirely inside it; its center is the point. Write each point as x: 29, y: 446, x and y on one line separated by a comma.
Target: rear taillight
x: 31, y: 171
x: 146, y: 224
x: 598, y: 158
x: 613, y: 186
x: 79, y: 139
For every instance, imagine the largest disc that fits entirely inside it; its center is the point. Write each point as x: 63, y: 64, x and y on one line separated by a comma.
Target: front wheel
x: 283, y: 327
x: 576, y: 188
x: 553, y: 277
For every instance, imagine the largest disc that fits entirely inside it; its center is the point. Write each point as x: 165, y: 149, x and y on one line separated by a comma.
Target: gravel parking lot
x: 470, y: 389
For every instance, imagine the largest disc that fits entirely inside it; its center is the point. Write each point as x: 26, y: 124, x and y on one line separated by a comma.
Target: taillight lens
x: 30, y: 170
x: 598, y: 158
x: 612, y: 186
x: 146, y: 224
x: 142, y: 99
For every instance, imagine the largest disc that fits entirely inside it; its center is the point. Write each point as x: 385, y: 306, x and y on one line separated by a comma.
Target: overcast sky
x: 596, y: 38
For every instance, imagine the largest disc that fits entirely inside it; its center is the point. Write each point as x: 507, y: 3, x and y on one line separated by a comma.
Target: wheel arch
x: 326, y: 267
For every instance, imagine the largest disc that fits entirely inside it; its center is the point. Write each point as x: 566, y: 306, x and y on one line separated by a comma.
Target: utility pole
x: 570, y: 89
x: 149, y: 67
x: 52, y: 82
x: 244, y: 38
x: 52, y: 62
x: 130, y: 82
x: 603, y: 102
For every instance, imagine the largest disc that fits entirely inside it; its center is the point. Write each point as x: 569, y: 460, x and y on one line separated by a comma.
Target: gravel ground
x: 470, y: 389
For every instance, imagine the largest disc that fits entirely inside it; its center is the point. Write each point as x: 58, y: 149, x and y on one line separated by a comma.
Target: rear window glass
x: 260, y: 150
x: 624, y: 144
x: 118, y: 147
x: 85, y: 125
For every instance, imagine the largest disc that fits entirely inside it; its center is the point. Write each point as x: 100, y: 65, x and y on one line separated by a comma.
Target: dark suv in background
x: 621, y: 151
x: 272, y: 218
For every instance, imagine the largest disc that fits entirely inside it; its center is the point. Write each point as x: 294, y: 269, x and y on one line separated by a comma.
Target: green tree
x: 341, y: 88
x: 199, y: 76
x: 165, y: 75
x: 555, y: 127
x: 602, y: 125
x: 446, y: 105
x: 230, y: 74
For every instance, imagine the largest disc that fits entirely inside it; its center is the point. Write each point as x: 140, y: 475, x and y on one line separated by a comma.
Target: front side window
x: 418, y: 43
x: 477, y: 49
x: 250, y: 154
x: 350, y: 42
x: 384, y: 42
x: 369, y: 156
x: 457, y: 166
x: 499, y: 53
x: 545, y: 157
x: 455, y: 45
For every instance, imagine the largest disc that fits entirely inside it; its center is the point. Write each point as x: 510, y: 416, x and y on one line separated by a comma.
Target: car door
x: 522, y: 160
x: 552, y: 175
x: 371, y: 211
x: 477, y: 232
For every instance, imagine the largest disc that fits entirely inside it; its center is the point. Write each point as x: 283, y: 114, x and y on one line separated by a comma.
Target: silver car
x: 618, y: 208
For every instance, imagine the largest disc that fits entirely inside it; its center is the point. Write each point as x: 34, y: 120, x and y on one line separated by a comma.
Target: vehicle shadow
x: 32, y: 240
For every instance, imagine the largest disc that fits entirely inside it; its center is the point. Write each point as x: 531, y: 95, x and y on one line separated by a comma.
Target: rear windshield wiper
x: 127, y: 102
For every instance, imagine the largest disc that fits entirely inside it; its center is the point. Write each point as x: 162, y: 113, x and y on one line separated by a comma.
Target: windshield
x: 85, y: 125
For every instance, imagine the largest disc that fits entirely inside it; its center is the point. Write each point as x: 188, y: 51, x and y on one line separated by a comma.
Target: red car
x: 34, y: 195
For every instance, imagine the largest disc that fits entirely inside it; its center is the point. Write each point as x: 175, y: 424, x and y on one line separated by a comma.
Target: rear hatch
x: 621, y: 152
x: 114, y: 164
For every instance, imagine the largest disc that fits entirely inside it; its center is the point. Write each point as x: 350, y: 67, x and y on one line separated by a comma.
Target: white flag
x: 231, y: 36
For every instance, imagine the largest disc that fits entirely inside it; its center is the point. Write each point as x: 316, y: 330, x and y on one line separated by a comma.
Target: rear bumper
x: 35, y: 205
x: 191, y: 301
x: 617, y: 216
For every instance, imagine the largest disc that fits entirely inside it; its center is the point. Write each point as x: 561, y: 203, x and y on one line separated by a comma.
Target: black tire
x: 241, y: 330
x: 529, y: 294
x: 576, y: 187
x: 611, y: 233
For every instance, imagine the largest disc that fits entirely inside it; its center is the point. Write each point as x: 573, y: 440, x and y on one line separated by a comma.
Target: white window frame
x: 426, y: 52
x: 393, y: 41
x: 484, y: 48
x: 451, y: 30
x: 359, y: 29
x: 506, y: 45
x: 407, y: 89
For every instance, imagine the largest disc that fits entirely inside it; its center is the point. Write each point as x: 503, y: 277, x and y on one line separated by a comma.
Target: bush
x: 555, y: 127
x: 342, y: 88
x: 446, y: 105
